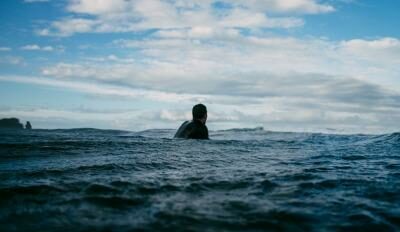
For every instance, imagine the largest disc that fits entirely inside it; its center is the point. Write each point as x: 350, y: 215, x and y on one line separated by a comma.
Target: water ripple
x: 242, y: 180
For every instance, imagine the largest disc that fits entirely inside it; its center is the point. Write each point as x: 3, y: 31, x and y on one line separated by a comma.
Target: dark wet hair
x: 199, y: 111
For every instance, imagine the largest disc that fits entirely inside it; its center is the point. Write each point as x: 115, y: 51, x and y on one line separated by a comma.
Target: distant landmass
x: 13, y: 123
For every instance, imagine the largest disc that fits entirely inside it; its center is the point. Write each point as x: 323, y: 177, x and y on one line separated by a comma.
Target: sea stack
x: 28, y: 126
x: 10, y: 123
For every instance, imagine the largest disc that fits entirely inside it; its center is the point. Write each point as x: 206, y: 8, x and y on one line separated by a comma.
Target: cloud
x: 278, y: 82
x: 245, y: 85
x: 176, y: 59
x: 98, y: 7
x: 249, y: 19
x: 102, y: 89
x: 185, y: 56
x: 101, y: 7
x: 220, y: 53
x: 130, y: 16
x: 68, y: 27
x: 74, y: 118
x: 292, y: 96
x: 14, y: 60
x: 381, y: 50
x: 35, y: 47
x: 377, y: 60
x: 286, y: 101
x: 5, y: 49
x: 298, y: 6
x: 273, y: 114
x: 30, y: 47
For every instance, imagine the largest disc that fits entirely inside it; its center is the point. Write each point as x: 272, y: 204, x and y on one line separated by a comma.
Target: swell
x: 69, y: 147
x: 243, y: 180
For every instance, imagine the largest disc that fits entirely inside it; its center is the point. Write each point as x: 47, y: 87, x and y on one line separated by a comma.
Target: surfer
x: 195, y: 129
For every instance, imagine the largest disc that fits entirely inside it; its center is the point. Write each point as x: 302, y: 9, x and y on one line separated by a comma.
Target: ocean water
x: 241, y: 180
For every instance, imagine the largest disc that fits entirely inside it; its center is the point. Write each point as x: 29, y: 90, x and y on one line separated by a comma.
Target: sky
x: 286, y: 65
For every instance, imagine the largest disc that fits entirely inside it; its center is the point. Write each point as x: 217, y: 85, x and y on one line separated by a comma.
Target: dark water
x: 242, y: 180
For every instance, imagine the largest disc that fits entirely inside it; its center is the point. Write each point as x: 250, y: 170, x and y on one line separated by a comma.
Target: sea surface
x: 241, y: 180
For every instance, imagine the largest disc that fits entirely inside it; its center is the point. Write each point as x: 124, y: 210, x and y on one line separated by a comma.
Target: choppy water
x: 242, y: 180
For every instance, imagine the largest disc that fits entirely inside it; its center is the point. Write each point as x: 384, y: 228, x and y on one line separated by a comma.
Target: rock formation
x: 28, y: 126
x: 10, y: 123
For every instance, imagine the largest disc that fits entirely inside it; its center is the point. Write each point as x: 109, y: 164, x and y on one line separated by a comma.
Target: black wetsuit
x: 192, y: 130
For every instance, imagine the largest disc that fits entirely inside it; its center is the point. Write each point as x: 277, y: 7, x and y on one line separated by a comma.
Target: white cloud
x: 192, y: 56
x: 378, y: 60
x: 250, y: 19
x: 226, y: 59
x: 35, y: 47
x: 5, y: 49
x: 74, y: 118
x: 130, y: 16
x: 102, y: 89
x: 97, y: 7
x: 273, y: 114
x: 68, y: 27
x: 279, y: 82
x: 14, y: 60
x: 381, y: 50
x: 298, y: 6
x: 175, y: 59
x: 48, y: 48
x: 156, y: 7
x: 31, y: 47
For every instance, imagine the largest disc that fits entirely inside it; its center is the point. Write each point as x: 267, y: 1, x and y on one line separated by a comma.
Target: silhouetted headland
x: 13, y: 123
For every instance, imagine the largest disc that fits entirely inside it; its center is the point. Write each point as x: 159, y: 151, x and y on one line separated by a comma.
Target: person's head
x: 199, y: 112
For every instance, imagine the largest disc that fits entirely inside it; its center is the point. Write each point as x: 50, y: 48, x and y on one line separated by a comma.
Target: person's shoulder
x: 185, y: 122
x: 182, y: 130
